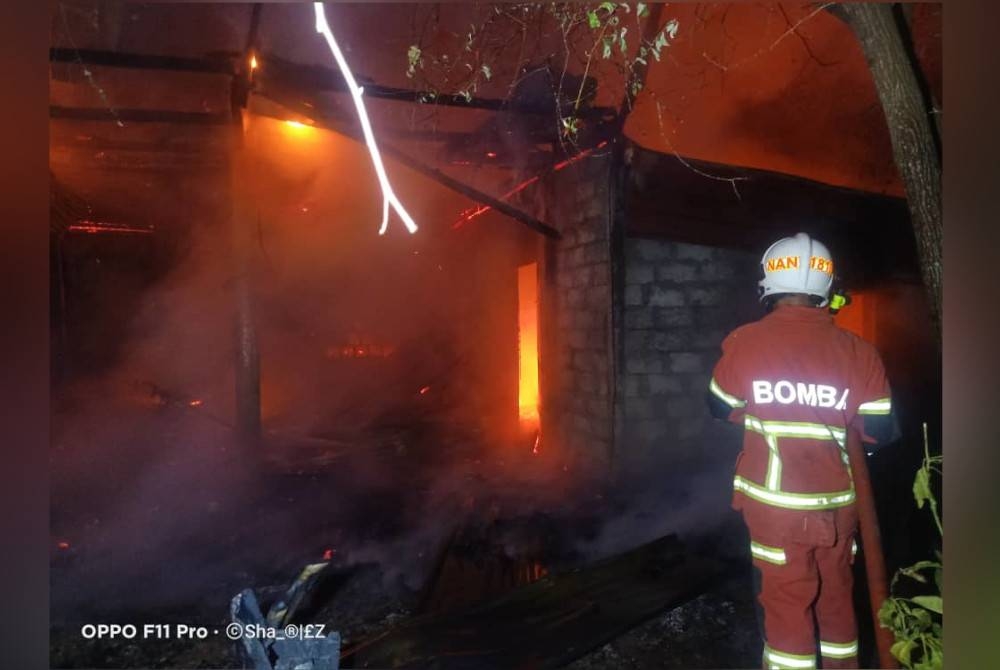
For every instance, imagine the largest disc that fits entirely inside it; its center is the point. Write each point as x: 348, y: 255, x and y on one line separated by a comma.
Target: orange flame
x: 527, y: 294
x: 253, y: 62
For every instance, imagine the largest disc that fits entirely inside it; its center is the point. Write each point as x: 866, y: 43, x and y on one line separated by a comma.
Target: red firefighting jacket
x: 797, y: 383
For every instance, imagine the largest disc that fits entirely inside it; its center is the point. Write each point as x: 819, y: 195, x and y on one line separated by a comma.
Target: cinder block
x: 643, y: 408
x: 646, y: 364
x: 702, y: 296
x: 633, y: 295
x: 660, y: 297
x: 651, y: 429
x: 635, y: 385
x: 581, y: 276
x: 719, y: 270
x: 670, y: 340
x: 587, y: 235
x: 598, y: 298
x: 638, y: 318
x: 672, y: 317
x: 638, y: 273
x: 665, y: 384
x: 686, y: 407
x: 596, y: 252
x: 576, y: 338
x: 653, y: 250
x: 694, y: 252
x: 686, y: 362
x: 676, y: 272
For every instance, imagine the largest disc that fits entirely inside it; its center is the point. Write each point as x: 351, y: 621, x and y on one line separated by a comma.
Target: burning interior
x: 505, y: 405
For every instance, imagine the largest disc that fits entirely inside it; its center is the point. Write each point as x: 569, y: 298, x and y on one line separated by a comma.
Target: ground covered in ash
x: 156, y: 518
x: 714, y: 630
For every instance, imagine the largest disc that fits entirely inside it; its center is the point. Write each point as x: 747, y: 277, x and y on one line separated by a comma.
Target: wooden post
x: 247, y: 359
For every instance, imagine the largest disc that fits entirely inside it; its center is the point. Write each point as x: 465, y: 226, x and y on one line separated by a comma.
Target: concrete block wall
x: 576, y: 306
x: 680, y: 302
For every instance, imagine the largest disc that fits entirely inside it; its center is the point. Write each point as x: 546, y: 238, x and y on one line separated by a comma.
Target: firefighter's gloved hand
x: 880, y: 430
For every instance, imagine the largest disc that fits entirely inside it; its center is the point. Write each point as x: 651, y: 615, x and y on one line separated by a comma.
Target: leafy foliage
x: 917, y: 621
x: 584, y: 34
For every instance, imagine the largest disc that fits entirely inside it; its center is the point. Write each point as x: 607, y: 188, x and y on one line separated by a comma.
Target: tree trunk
x: 909, y: 128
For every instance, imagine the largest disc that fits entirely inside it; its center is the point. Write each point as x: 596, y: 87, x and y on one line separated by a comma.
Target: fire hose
x: 871, y: 543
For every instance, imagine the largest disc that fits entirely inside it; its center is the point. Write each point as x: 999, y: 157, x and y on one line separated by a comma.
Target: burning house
x: 250, y: 378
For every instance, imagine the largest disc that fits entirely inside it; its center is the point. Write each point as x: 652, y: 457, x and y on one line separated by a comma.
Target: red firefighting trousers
x: 804, y: 560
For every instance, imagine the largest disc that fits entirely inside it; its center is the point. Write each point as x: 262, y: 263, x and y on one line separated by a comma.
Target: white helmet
x: 797, y: 264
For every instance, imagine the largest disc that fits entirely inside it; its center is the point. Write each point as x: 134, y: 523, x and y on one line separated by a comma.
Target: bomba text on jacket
x: 788, y: 393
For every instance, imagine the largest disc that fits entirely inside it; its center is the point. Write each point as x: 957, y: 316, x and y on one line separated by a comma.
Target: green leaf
x: 671, y: 28
x: 641, y: 9
x: 933, y: 603
x: 902, y: 649
x: 609, y: 7
x: 621, y: 40
x: 487, y: 72
x: 606, y: 52
x: 922, y: 488
x: 413, y: 55
x: 592, y: 20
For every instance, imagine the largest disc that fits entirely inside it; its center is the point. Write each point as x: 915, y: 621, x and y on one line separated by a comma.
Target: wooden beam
x: 318, y: 78
x: 139, y: 61
x: 295, y: 103
x: 138, y: 115
x: 471, y: 193
x: 552, y: 621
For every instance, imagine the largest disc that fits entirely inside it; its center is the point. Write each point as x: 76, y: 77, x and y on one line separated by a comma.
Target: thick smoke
x: 160, y: 504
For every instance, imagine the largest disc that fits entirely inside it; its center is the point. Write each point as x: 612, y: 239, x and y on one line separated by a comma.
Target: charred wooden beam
x: 139, y: 61
x: 472, y: 193
x: 552, y: 621
x: 323, y: 79
x: 295, y: 102
x: 138, y: 115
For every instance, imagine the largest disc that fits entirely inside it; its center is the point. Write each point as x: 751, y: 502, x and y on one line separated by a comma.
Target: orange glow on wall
x: 527, y: 347
x: 859, y: 316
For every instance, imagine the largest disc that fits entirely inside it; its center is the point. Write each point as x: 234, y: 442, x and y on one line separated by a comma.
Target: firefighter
x: 797, y: 384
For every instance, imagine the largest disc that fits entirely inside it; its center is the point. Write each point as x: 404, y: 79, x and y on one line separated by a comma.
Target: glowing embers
x: 473, y: 212
x: 94, y: 227
x: 527, y: 344
x: 357, y: 347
